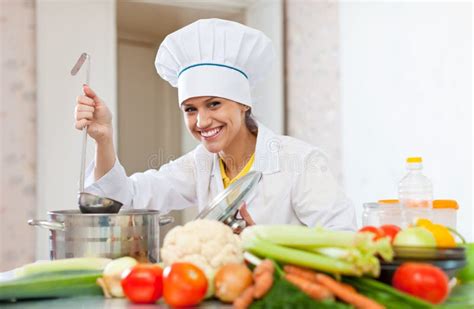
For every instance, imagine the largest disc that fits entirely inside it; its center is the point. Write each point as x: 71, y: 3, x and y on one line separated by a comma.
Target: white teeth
x: 210, y: 132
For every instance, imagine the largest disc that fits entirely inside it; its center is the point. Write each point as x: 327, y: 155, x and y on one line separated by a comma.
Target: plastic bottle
x: 415, y: 191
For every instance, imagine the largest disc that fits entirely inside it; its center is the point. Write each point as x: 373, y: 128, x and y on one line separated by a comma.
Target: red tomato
x: 390, y: 230
x: 422, y: 280
x: 184, y: 285
x: 372, y: 229
x: 143, y: 283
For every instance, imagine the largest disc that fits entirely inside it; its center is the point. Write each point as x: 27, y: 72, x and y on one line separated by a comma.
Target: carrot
x: 301, y: 272
x: 265, y: 266
x: 245, y: 299
x: 313, y: 290
x: 348, y: 286
x: 350, y: 297
x: 263, y: 284
x: 311, y: 275
x: 263, y: 278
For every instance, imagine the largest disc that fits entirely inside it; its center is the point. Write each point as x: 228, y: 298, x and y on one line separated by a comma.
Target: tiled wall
x: 17, y: 132
x: 313, y: 84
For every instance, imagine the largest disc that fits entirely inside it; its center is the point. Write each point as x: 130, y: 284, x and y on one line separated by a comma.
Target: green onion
x: 386, y: 294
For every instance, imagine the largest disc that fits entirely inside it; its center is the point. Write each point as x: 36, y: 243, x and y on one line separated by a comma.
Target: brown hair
x: 250, y: 122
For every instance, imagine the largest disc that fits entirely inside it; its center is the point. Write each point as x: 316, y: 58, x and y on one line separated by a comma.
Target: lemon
x: 440, y: 232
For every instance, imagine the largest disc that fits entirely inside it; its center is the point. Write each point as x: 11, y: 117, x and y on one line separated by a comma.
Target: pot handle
x: 166, y: 219
x: 50, y: 225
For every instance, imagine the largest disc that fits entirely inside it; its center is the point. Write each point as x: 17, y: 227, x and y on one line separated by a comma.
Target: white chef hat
x: 215, y: 57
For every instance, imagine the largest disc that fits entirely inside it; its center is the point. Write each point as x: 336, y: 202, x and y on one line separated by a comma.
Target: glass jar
x: 445, y: 212
x: 383, y: 212
x: 370, y: 214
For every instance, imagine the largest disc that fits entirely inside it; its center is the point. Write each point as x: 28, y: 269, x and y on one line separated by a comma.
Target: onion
x: 112, y: 275
x: 231, y: 280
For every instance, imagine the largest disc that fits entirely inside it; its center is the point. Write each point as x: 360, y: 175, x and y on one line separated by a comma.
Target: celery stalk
x: 307, y: 238
x: 264, y: 248
x: 384, y: 249
x: 366, y: 263
x: 304, y: 237
x: 344, y: 254
x: 330, y: 251
x: 252, y: 259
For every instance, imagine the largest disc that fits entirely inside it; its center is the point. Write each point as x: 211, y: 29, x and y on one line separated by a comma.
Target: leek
x: 62, y: 265
x: 65, y: 284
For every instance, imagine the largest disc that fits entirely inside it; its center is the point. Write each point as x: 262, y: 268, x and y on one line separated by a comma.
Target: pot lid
x: 227, y: 203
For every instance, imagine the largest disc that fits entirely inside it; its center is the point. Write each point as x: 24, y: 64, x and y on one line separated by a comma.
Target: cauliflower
x: 207, y: 244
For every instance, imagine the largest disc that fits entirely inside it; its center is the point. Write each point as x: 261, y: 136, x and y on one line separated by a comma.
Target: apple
x: 415, y: 237
x: 467, y: 273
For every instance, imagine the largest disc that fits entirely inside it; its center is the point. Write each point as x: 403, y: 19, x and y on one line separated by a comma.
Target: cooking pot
x: 134, y: 233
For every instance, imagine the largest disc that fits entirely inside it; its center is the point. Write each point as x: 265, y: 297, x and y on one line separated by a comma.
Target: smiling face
x: 215, y: 122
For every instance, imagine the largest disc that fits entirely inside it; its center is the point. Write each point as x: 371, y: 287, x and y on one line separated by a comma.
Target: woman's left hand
x: 245, y: 215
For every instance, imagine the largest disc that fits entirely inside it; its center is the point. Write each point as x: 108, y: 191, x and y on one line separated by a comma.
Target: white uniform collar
x: 266, y: 153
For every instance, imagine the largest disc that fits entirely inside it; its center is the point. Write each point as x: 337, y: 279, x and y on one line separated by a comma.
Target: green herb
x: 284, y: 295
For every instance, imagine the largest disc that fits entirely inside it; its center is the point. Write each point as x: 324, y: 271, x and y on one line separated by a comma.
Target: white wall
x: 267, y: 16
x: 65, y: 29
x: 406, y: 90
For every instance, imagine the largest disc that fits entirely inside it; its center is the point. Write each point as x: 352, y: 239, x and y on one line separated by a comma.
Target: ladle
x: 90, y: 203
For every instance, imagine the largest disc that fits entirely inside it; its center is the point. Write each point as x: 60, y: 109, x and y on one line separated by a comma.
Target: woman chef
x: 214, y: 63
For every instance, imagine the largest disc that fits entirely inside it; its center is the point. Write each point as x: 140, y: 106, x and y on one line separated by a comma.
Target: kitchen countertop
x: 462, y: 297
x: 98, y: 302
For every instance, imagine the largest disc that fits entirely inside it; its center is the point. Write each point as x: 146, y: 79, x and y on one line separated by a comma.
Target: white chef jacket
x: 297, y: 186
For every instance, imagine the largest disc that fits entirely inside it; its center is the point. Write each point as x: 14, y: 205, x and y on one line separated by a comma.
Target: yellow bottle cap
x: 443, y: 204
x: 414, y: 160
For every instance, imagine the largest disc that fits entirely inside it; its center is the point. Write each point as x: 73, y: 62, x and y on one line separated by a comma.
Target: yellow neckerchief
x: 226, y: 180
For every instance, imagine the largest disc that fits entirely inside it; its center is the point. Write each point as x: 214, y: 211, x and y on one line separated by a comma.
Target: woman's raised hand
x: 91, y: 111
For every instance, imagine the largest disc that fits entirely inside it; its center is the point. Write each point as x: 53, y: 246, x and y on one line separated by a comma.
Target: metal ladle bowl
x: 93, y: 204
x: 90, y: 203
